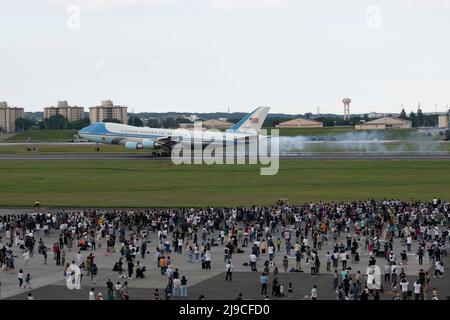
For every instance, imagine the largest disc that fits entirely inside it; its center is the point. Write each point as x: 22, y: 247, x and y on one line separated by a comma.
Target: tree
x: 111, y: 120
x: 56, y: 122
x: 403, y: 115
x: 182, y: 120
x: 170, y: 122
x: 153, y: 123
x: 419, y: 118
x: 271, y: 122
x: 308, y: 115
x: 135, y: 121
x: 80, y: 124
x: 413, y: 118
x: 23, y: 124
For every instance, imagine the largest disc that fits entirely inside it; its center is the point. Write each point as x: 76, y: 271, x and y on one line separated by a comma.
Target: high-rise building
x: 107, y: 110
x: 71, y: 113
x: 8, y: 117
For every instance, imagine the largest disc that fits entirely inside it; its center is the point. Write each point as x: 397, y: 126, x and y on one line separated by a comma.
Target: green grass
x: 162, y: 184
x: 67, y: 148
x: 286, y: 146
x: 38, y: 135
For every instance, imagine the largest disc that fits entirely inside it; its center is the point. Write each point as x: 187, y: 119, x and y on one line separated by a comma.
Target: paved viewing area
x: 48, y: 282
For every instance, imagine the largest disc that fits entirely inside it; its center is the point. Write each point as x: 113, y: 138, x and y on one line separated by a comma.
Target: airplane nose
x: 83, y: 130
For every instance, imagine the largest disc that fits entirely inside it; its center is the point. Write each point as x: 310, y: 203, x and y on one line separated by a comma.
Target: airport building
x: 443, y: 121
x: 8, y: 117
x: 300, y: 123
x: 218, y: 124
x: 384, y: 123
x: 107, y: 110
x: 71, y: 113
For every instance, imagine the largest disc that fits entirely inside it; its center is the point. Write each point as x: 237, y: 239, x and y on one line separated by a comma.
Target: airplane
x: 162, y: 141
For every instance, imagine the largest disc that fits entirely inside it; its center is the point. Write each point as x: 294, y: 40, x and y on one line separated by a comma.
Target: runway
x: 296, y: 156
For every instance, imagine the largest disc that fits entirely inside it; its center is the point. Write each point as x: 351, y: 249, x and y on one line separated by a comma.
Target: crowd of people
x: 325, y: 237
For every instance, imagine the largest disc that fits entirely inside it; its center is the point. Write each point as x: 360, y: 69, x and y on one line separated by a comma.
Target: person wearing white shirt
x: 208, y: 259
x: 229, y: 269
x: 408, y: 242
x: 26, y: 257
x: 176, y: 287
x: 79, y: 258
x: 20, y: 277
x: 253, y: 261
x: 417, y: 290
x: 404, y: 287
x: 91, y: 294
x: 438, y: 269
x: 343, y: 257
x: 271, y: 251
x: 180, y: 246
x: 314, y: 293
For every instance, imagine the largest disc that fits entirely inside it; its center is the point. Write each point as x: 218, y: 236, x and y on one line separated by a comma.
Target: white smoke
x: 360, y: 141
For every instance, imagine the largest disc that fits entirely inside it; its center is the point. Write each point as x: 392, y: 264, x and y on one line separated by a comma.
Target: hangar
x: 384, y: 123
x: 301, y: 123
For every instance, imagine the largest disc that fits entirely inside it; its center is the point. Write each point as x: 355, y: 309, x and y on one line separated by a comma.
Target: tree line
x: 56, y: 122
x: 419, y: 119
x: 59, y: 122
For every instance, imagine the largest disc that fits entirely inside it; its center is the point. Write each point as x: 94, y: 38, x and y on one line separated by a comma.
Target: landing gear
x: 160, y: 154
x: 97, y: 148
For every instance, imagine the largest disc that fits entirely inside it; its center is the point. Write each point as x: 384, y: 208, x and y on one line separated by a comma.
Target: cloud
x: 99, y: 64
x: 156, y: 63
x: 215, y: 5
x: 104, y: 5
x: 233, y: 5
x: 423, y: 4
x: 3, y: 45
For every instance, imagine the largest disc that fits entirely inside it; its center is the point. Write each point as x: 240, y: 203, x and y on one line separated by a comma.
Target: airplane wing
x: 168, y: 142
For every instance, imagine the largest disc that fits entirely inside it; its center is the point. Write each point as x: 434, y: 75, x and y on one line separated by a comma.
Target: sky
x: 210, y: 55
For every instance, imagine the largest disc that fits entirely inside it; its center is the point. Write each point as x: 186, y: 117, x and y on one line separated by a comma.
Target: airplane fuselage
x: 114, y: 133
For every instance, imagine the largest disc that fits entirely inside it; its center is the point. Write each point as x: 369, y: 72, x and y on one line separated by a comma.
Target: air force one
x: 162, y: 141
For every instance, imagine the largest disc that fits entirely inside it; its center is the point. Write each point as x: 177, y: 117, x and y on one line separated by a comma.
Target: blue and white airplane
x: 162, y: 141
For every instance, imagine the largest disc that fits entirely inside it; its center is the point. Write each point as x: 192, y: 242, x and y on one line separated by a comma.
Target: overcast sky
x: 208, y: 55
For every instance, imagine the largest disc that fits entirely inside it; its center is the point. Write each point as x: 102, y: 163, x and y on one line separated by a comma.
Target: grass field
x: 67, y: 148
x: 38, y: 135
x: 286, y: 145
x: 163, y: 184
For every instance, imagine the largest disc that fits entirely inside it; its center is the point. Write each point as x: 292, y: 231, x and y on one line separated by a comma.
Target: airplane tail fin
x: 252, y: 122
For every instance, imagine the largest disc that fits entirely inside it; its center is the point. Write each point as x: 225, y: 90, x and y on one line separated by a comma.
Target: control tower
x: 346, y: 102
